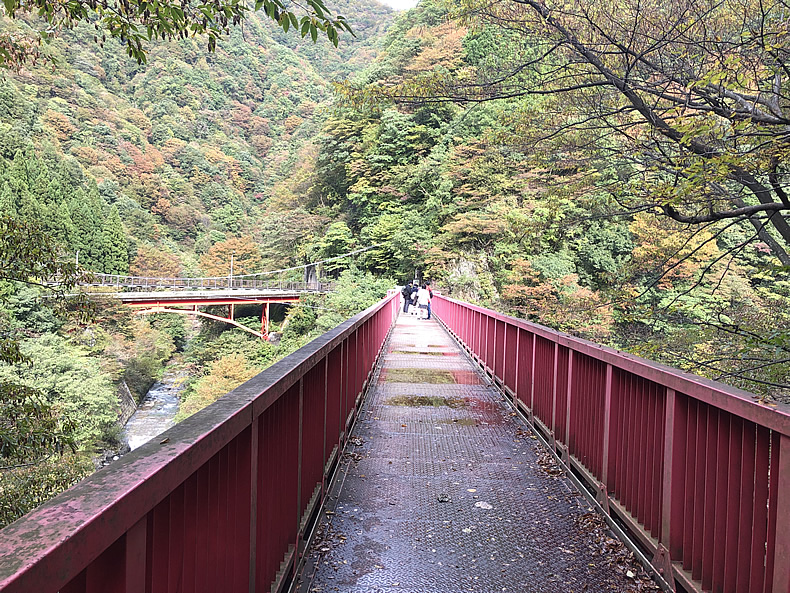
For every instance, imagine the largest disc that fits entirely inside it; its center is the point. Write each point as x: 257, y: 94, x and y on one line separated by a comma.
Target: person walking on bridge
x: 406, y: 294
x: 424, y: 302
x: 414, y: 290
x: 430, y: 297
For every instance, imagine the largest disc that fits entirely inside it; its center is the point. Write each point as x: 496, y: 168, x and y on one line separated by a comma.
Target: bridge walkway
x: 444, y: 489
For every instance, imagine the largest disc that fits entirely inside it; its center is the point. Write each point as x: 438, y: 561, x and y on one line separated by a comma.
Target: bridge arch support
x: 264, y: 335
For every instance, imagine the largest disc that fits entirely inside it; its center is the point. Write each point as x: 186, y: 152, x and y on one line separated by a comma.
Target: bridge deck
x: 445, y: 490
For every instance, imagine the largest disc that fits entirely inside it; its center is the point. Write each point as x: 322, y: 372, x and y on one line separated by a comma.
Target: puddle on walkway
x: 434, y: 376
x: 416, y: 376
x: 426, y: 401
x: 423, y: 352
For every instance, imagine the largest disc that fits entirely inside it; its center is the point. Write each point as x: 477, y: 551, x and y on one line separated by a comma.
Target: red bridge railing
x: 699, y: 471
x: 224, y: 501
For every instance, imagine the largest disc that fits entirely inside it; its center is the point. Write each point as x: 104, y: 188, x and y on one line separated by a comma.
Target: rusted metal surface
x: 442, y: 490
x: 699, y: 471
x: 220, y: 502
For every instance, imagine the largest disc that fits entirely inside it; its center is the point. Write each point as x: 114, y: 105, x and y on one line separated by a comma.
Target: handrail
x: 218, y: 282
x: 699, y: 471
x: 223, y: 501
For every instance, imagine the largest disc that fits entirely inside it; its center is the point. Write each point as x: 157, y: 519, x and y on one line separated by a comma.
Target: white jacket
x: 423, y: 296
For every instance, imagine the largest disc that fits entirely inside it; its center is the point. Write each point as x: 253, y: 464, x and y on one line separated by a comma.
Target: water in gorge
x: 157, y: 411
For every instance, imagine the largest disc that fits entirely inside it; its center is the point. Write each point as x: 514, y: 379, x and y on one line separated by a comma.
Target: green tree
x: 688, y: 98
x: 137, y: 23
x: 30, y: 427
x: 115, y: 252
x: 62, y: 228
x: 88, y: 231
x: 336, y: 240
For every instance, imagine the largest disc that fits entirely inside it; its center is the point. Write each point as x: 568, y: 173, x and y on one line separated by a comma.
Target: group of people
x: 417, y: 299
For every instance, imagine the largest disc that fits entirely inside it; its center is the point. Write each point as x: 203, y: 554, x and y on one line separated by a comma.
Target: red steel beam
x: 213, y: 301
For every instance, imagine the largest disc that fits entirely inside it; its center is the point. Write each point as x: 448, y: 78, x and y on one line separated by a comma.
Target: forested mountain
x: 186, y: 151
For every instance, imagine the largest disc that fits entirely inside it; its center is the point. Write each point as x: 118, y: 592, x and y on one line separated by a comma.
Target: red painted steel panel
x: 773, y: 496
x: 745, y: 516
x: 721, y: 501
x: 561, y: 429
x: 499, y: 349
x: 698, y: 518
x: 176, y: 541
x: 655, y: 463
x: 617, y: 428
x: 214, y: 504
x: 158, y: 546
x: 524, y: 377
x: 511, y: 354
x: 351, y: 376
x: 730, y: 559
x: 544, y: 381
x: 635, y: 451
x: 760, y: 515
x: 106, y: 572
x: 689, y: 484
x: 191, y: 531
x: 710, y: 493
x: 781, y: 545
x: 312, y: 432
x: 490, y: 344
x: 334, y: 399
x: 76, y: 585
x: 134, y: 566
x: 589, y: 390
x: 475, y: 337
x: 675, y: 470
x: 203, y: 523
x: 658, y: 467
x: 644, y: 452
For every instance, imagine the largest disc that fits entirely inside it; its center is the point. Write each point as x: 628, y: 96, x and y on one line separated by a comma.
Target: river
x: 157, y: 411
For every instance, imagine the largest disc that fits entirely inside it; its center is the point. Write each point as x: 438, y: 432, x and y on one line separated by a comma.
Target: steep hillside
x: 189, y: 149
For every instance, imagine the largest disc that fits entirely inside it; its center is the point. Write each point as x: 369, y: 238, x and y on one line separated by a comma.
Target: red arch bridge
x: 185, y: 296
x: 438, y: 490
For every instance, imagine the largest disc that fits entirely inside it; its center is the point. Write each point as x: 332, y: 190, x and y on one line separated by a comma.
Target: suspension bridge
x: 395, y: 455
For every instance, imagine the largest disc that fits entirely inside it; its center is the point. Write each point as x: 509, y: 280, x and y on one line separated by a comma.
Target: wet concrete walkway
x: 444, y: 489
